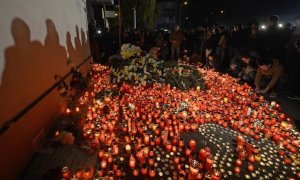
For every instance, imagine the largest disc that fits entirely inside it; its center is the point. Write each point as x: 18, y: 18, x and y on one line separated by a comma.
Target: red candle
x: 202, y: 154
x: 144, y: 169
x: 103, y: 164
x: 152, y: 172
x: 192, y: 144
x: 151, y: 161
x: 146, y: 139
x: 188, y: 151
x: 135, y: 172
x: 176, y: 159
x: 240, y: 140
x: 65, y: 172
x: 157, y: 140
x: 132, y: 162
x: 168, y: 146
x: 208, y: 163
x: 216, y: 175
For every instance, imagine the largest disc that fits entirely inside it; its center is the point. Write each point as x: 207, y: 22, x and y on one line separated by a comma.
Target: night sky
x: 242, y: 10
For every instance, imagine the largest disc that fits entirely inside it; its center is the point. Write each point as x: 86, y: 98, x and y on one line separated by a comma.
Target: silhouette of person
x: 55, y: 55
x: 19, y: 72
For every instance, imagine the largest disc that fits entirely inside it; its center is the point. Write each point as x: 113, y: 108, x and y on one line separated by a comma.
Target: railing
x: 15, y: 119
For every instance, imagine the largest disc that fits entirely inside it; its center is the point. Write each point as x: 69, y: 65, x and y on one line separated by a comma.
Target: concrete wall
x: 37, y: 37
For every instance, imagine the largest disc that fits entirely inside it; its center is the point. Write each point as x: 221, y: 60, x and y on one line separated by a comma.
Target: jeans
x: 175, y: 53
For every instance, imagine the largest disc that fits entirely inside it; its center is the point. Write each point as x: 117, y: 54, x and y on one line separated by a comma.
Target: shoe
x: 273, y: 94
x: 294, y: 97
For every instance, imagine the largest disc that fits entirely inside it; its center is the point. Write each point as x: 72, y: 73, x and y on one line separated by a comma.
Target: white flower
x: 143, y: 83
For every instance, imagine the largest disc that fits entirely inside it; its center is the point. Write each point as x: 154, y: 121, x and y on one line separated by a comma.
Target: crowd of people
x: 268, y: 59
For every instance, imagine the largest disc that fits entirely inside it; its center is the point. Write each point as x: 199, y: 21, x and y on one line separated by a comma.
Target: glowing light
x: 222, y: 12
x: 68, y: 110
x: 77, y: 109
x: 263, y: 27
x: 185, y: 2
x: 99, y: 31
x: 280, y: 25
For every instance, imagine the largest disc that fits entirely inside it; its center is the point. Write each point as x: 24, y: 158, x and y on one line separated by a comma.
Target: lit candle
x: 188, y: 151
x: 168, y: 146
x: 136, y: 172
x: 215, y: 175
x: 152, y: 171
x: 151, y: 161
x: 208, y: 163
x: 192, y: 144
x: 103, y: 164
x: 65, y: 172
x: 146, y: 139
x: 193, y: 169
x: 202, y: 154
x: 132, y: 162
x: 128, y: 148
x: 144, y: 169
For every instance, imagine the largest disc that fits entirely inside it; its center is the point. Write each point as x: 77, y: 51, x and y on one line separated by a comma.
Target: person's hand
x: 257, y: 89
x: 262, y: 91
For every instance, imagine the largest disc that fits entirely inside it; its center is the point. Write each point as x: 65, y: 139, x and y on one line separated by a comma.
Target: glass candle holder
x: 65, y: 172
x: 144, y: 169
x: 152, y: 172
x: 208, y: 163
x: 135, y: 172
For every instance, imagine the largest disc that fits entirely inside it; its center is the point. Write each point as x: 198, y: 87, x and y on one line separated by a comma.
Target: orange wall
x: 29, y: 71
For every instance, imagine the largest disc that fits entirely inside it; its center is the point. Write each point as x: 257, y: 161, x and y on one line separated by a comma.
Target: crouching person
x: 269, y: 77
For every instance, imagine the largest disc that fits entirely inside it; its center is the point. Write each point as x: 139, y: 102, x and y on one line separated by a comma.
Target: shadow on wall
x: 30, y: 66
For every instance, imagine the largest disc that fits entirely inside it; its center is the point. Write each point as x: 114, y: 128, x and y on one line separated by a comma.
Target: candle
x: 168, y: 146
x: 132, y: 162
x: 103, y: 164
x: 193, y: 169
x: 188, y: 151
x: 88, y: 173
x: 215, y: 175
x: 192, y: 144
x: 144, y: 169
x: 78, y: 173
x: 146, y: 139
x: 151, y: 161
x: 176, y: 159
x: 136, y: 172
x: 202, y: 154
x: 208, y: 163
x: 240, y: 140
x: 128, y: 148
x: 119, y: 171
x: 65, y: 172
x: 152, y: 171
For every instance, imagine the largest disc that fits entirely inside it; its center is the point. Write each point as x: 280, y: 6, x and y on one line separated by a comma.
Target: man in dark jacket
x: 176, y: 39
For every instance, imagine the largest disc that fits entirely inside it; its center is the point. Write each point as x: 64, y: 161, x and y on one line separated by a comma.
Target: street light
x: 222, y: 12
x: 180, y: 9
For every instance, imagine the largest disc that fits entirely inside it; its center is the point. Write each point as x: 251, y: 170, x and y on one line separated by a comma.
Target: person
x: 268, y: 75
x: 153, y: 52
x: 274, y: 39
x: 159, y: 39
x: 293, y: 63
x: 176, y: 39
x: 209, y: 43
x: 213, y: 61
x: 92, y: 40
x: 249, y: 60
